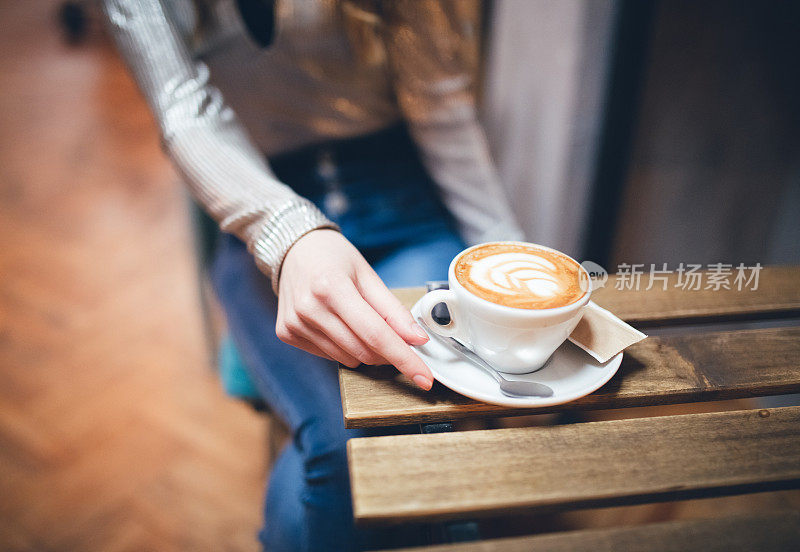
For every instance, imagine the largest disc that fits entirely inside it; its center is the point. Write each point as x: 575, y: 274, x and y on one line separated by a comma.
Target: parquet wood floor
x: 114, y: 434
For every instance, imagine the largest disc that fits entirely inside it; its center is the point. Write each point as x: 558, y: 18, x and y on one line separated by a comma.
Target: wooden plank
x: 777, y: 295
x: 479, y: 473
x: 774, y: 532
x: 658, y: 370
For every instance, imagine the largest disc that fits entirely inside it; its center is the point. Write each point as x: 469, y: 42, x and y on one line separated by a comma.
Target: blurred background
x: 624, y: 131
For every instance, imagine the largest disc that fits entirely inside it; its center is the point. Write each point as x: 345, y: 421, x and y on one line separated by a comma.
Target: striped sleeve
x: 201, y: 134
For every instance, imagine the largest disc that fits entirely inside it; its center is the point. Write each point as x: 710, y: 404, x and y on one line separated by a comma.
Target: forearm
x: 229, y: 177
x: 206, y: 142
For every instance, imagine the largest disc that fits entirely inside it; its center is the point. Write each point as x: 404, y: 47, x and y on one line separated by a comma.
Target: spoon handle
x: 455, y: 346
x: 507, y: 387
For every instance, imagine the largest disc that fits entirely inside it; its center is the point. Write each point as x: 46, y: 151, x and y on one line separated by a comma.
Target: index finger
x: 376, y: 333
x: 389, y: 307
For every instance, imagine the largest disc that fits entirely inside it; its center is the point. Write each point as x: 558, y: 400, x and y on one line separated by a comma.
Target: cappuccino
x: 521, y: 276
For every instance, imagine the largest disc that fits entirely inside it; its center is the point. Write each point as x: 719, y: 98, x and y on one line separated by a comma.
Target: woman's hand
x: 332, y: 304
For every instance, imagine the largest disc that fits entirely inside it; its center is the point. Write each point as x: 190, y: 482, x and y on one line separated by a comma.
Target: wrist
x: 279, y: 233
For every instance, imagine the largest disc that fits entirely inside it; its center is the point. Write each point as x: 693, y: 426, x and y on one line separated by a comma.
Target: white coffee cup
x: 513, y: 340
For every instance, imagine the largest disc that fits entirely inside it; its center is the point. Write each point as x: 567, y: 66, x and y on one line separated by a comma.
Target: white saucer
x: 571, y: 373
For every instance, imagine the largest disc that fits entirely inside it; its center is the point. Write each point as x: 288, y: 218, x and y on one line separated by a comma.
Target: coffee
x: 520, y: 276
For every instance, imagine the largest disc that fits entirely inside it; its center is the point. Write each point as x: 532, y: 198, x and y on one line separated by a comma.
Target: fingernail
x: 423, y: 382
x: 419, y: 331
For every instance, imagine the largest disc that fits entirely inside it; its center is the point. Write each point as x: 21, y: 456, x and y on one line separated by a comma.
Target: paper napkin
x: 603, y: 335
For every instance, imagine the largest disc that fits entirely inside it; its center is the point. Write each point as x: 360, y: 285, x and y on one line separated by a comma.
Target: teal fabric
x: 235, y: 380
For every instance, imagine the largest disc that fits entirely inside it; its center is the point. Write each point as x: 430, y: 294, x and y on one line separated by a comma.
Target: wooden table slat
x: 658, y: 370
x: 773, y: 532
x: 778, y: 294
x: 476, y: 473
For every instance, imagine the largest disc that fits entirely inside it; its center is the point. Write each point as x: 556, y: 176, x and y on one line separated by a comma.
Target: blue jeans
x: 376, y: 189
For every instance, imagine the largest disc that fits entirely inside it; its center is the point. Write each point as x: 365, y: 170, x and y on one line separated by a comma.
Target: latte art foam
x: 520, y: 276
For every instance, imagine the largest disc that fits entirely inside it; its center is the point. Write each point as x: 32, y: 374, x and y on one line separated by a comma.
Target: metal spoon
x: 507, y: 387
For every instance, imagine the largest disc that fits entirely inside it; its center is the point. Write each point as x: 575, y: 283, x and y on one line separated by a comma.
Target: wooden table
x: 446, y: 475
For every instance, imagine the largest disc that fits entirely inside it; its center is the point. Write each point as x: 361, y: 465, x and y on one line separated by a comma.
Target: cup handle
x: 433, y: 298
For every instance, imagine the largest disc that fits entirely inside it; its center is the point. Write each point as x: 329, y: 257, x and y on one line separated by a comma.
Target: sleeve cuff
x: 279, y: 233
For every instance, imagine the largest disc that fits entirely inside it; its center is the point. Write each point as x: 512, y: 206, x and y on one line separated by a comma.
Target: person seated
x: 336, y: 143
